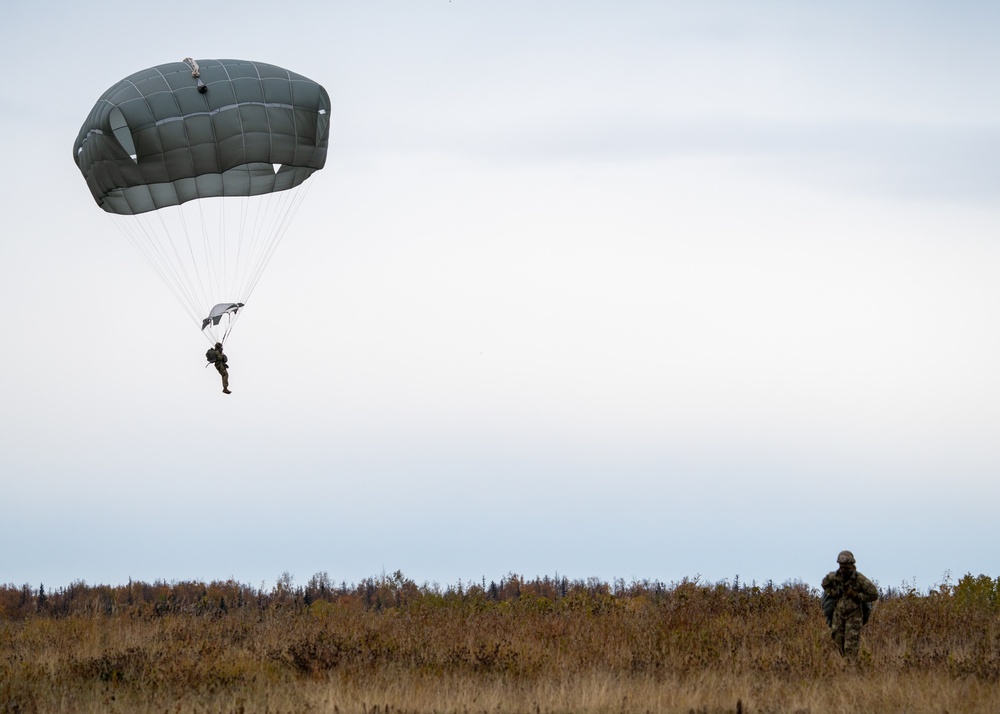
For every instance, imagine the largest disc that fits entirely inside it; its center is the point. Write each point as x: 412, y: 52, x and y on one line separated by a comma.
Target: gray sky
x: 616, y: 289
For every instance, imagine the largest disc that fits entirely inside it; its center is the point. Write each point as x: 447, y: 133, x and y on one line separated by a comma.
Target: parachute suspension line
x: 196, y: 284
x: 246, y: 252
x: 229, y: 328
x: 244, y: 209
x: 289, y: 206
x: 208, y: 267
x: 256, y: 224
x: 223, y: 247
x: 133, y: 233
x: 262, y: 233
x: 213, y: 257
x: 188, y: 285
x: 158, y: 241
x: 144, y: 242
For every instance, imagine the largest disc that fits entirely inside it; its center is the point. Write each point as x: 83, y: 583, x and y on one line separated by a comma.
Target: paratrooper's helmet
x: 846, y: 557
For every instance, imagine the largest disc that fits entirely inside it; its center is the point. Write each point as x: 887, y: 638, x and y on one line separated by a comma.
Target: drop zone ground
x: 544, y: 645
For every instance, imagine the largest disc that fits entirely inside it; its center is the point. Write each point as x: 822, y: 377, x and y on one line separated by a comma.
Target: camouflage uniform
x: 219, y: 358
x: 847, y: 592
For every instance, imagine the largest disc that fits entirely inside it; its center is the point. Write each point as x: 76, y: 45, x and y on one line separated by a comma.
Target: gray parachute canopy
x: 182, y: 131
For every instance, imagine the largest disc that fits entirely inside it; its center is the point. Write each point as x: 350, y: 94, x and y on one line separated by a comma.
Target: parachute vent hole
x: 322, y: 111
x: 277, y: 168
x: 122, y: 133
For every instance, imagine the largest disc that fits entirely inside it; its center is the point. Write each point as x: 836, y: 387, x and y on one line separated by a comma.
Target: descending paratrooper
x: 201, y: 165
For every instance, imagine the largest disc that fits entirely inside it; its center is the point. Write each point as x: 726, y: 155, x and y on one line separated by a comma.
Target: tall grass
x: 545, y: 645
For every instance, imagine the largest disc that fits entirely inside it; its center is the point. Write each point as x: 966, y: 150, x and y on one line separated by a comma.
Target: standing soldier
x: 847, y: 602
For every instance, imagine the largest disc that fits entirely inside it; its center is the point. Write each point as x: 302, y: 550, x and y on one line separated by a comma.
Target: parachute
x: 220, y: 311
x: 202, y: 164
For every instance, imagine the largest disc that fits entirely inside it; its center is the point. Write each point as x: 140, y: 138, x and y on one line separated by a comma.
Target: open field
x: 546, y: 645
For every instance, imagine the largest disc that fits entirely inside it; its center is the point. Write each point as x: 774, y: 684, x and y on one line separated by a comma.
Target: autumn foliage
x: 548, y: 644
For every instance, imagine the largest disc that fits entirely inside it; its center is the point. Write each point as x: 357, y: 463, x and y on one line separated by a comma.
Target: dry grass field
x: 546, y: 645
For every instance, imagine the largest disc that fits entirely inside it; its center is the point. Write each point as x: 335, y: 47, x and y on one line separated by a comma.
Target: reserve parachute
x: 203, y: 164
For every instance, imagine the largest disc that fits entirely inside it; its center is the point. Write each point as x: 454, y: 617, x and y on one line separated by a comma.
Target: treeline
x: 395, y: 591
x: 220, y: 597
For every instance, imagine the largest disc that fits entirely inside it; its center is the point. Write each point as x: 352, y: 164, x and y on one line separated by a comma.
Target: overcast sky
x: 616, y: 289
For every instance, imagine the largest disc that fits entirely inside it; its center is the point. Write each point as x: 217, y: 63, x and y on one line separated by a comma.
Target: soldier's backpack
x: 212, y: 356
x: 829, y: 603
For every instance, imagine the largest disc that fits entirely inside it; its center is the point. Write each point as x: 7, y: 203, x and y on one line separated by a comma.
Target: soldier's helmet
x: 846, y: 557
